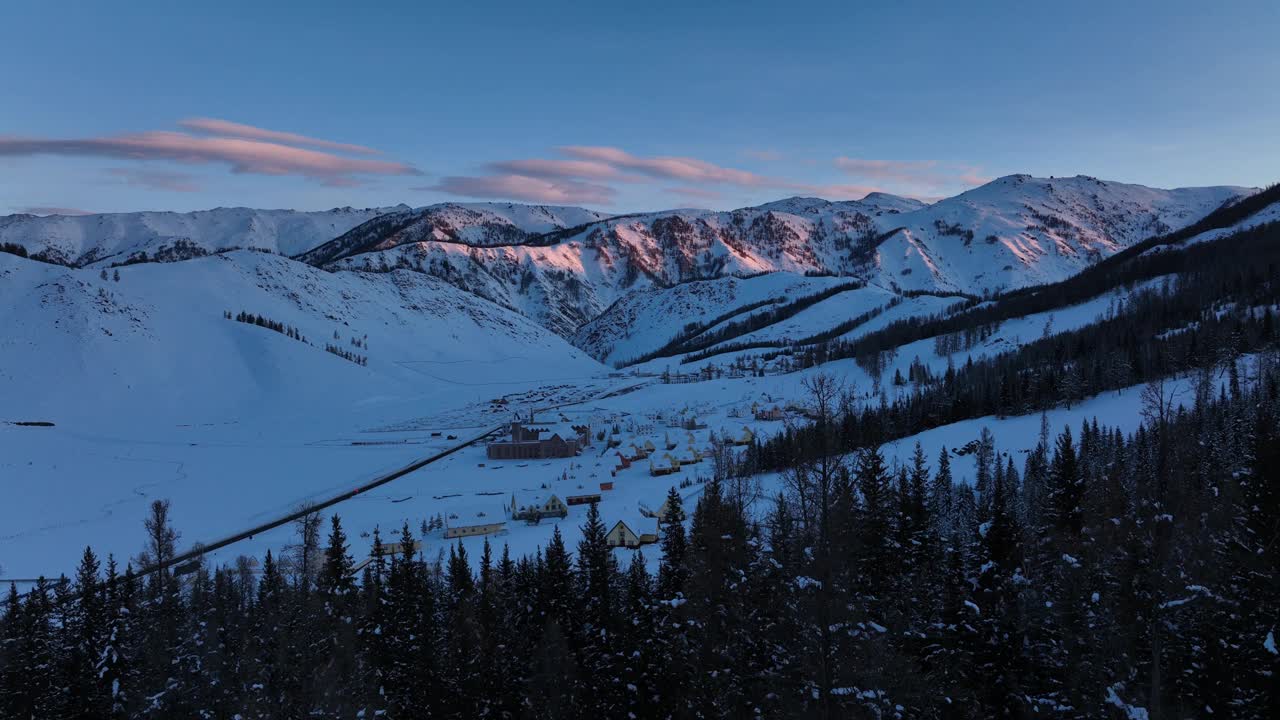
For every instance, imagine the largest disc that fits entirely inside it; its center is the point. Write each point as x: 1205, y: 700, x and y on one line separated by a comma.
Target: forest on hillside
x: 1101, y: 573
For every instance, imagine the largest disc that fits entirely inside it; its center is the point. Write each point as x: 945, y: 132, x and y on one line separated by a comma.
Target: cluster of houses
x: 526, y: 442
x: 528, y: 439
x: 765, y: 414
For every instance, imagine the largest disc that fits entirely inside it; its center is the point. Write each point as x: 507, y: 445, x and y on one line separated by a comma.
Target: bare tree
x: 306, y: 556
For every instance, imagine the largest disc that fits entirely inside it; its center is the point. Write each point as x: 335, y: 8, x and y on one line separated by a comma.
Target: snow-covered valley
x: 243, y: 385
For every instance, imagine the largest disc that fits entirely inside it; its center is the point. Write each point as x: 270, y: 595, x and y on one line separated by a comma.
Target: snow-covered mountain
x: 1012, y: 232
x: 156, y: 343
x: 115, y: 238
x: 478, y: 224
x: 1019, y: 230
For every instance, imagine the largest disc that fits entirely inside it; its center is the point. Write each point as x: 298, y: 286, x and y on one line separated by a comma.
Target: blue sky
x: 621, y: 107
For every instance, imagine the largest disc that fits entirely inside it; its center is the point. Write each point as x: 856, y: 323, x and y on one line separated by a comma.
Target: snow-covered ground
x: 154, y: 393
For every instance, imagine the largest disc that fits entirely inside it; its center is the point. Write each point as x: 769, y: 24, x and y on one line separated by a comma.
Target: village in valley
x: 551, y: 465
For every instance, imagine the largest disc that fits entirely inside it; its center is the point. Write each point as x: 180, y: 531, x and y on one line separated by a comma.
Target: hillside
x: 476, y: 224
x: 116, y: 238
x: 155, y: 344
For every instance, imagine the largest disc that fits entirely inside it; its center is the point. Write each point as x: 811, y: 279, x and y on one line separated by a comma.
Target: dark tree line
x: 696, y: 336
x: 264, y: 322
x: 1207, y: 316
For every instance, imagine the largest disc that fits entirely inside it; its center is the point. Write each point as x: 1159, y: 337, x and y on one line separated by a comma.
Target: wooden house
x: 550, y: 506
x: 745, y: 438
x: 582, y: 499
x: 622, y: 536
x: 666, y: 466
x: 396, y: 548
x: 458, y: 531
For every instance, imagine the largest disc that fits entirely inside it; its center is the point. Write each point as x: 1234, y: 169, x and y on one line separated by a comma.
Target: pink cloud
x: 242, y: 155
x: 226, y: 128
x: 669, y: 168
x: 526, y: 188
x: 156, y: 179
x: 587, y: 169
x: 694, y: 192
x: 927, y: 174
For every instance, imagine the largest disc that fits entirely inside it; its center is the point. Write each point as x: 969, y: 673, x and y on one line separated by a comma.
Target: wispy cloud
x: 156, y: 179
x: 48, y: 210
x: 588, y: 174
x: 694, y: 192
x: 526, y: 188
x: 917, y: 176
x: 226, y: 128
x: 686, y: 169
x: 242, y: 155
x: 581, y: 176
x: 688, y: 196
x: 564, y: 169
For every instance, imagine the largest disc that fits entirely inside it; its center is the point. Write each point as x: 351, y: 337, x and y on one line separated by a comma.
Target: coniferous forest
x: 1101, y: 572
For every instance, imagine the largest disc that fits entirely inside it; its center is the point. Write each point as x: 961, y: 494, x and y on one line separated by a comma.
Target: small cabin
x: 622, y: 536
x: 582, y: 499
x: 666, y: 466
x: 396, y: 548
x: 551, y: 506
x: 745, y: 438
x: 458, y: 531
x: 606, y: 486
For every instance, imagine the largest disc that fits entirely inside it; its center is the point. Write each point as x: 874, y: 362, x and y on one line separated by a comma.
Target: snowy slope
x: 156, y: 343
x: 1269, y: 214
x: 479, y: 224
x: 1019, y: 230
x: 105, y: 239
x: 645, y: 320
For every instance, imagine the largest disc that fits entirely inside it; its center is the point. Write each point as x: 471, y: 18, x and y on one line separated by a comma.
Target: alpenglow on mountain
x: 565, y: 266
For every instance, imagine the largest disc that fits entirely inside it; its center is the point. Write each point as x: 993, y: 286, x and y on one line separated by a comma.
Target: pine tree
x: 336, y: 595
x: 940, y: 495
x: 85, y: 632
x: 672, y: 572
